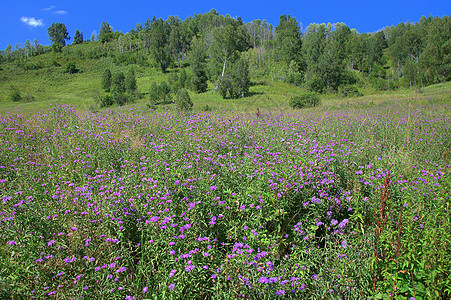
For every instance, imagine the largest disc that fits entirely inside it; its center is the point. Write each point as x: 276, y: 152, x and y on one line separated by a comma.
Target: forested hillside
x: 214, y: 52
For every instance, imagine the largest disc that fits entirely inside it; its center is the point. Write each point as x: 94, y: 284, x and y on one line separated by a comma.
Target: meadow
x: 334, y: 202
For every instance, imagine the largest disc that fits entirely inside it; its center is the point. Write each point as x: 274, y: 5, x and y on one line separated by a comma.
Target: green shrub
x: 182, y: 78
x: 33, y: 66
x: 173, y: 78
x: 293, y: 75
x: 350, y: 91
x: 57, y: 47
x: 206, y: 108
x: 176, y: 86
x: 122, y: 98
x: 15, y: 96
x: 153, y: 92
x: 71, y: 68
x: 379, y: 84
x: 164, y: 93
x: 305, y: 100
x: 28, y: 98
x: 106, y: 80
x: 199, y: 82
x: 106, y: 101
x: 55, y: 63
x: 183, y: 100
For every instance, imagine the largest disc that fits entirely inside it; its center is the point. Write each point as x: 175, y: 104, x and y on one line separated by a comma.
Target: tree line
x: 227, y: 52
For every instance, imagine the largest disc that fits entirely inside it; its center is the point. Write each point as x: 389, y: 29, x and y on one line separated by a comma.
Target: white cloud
x: 56, y: 12
x: 49, y: 8
x: 32, y: 21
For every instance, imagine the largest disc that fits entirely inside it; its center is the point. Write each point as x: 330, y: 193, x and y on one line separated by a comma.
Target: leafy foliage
x: 15, y: 95
x: 183, y: 100
x: 236, y: 81
x: 106, y: 32
x: 305, y: 100
x: 71, y: 68
x: 130, y: 82
x: 288, y: 39
x: 106, y: 80
x: 159, y: 43
x: 78, y: 38
x: 118, y: 83
x: 58, y: 33
x: 198, y: 62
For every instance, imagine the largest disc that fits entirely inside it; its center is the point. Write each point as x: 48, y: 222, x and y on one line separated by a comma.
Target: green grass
x: 51, y: 85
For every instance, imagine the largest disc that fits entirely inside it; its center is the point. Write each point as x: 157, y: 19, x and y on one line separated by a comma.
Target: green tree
x: 340, y: 40
x: 288, y: 39
x: 164, y: 93
x: 324, y: 56
x: 130, y: 82
x: 173, y: 77
x: 78, y: 38
x: 183, y: 100
x: 153, y: 93
x: 106, y: 32
x: 106, y: 80
x: 315, y: 42
x: 8, y: 53
x: 236, y: 81
x: 225, y: 43
x: 178, y: 41
x: 118, y: 83
x: 437, y: 53
x: 58, y: 33
x: 182, y: 78
x: 159, y: 48
x: 198, y: 64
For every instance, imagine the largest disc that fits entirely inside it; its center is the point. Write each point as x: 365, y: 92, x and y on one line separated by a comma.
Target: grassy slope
x: 50, y: 84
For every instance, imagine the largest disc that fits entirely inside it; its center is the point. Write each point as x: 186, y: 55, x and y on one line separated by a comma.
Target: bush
x: 305, y: 100
x: 57, y: 47
x: 206, y: 108
x: 118, y: 83
x: 315, y: 84
x: 183, y: 100
x: 173, y: 78
x: 293, y: 75
x: 350, y: 91
x: 176, y: 86
x: 164, y: 93
x: 182, y: 78
x: 15, y: 96
x: 106, y: 101
x: 130, y: 82
x: 106, y: 80
x: 28, y: 98
x: 236, y: 81
x: 33, y: 66
x: 71, y: 68
x: 153, y: 93
x: 199, y: 82
x: 122, y: 98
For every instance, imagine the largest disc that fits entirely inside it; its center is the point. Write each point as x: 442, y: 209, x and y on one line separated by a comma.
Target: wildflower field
x: 125, y: 204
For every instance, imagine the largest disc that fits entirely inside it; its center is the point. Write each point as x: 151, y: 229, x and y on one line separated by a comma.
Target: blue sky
x: 28, y: 20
